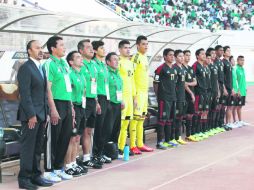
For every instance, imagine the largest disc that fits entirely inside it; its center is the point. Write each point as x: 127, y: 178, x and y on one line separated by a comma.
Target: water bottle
x: 126, y: 152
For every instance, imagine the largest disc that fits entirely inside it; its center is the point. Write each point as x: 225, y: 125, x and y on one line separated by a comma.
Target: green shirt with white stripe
x: 58, y: 74
x: 241, y: 80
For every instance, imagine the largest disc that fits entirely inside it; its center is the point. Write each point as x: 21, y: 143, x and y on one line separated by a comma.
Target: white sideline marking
x: 151, y: 154
x: 200, y: 168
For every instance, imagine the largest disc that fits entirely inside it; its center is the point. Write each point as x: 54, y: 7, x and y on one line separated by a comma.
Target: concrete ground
x: 222, y: 162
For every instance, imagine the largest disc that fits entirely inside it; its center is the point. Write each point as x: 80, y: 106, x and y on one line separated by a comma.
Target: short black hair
x: 199, y: 51
x: 52, y: 41
x: 218, y: 47
x: 70, y: 56
x: 122, y: 43
x: 29, y: 46
x: 231, y: 57
x: 225, y: 48
x: 208, y: 54
x: 97, y: 44
x: 209, y: 50
x: 166, y: 51
x: 177, y: 52
x: 140, y: 38
x: 186, y: 51
x: 109, y: 55
x: 240, y: 57
x: 81, y: 44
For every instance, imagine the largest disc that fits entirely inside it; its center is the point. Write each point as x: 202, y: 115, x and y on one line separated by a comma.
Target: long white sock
x: 86, y: 157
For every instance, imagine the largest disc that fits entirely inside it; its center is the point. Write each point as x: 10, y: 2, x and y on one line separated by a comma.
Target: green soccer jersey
x: 91, y: 75
x: 115, y: 86
x: 102, y: 88
x: 78, y: 83
x: 58, y: 74
x: 234, y: 79
x: 241, y: 80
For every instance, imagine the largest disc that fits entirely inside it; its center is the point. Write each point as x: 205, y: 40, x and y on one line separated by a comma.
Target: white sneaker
x: 63, y: 175
x: 51, y: 177
x: 234, y: 125
x: 229, y: 125
x: 244, y: 123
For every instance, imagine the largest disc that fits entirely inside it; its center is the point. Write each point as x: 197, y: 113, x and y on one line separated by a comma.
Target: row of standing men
x: 204, y: 95
x: 82, y: 101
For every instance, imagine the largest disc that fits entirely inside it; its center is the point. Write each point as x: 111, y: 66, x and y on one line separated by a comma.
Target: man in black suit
x: 32, y: 113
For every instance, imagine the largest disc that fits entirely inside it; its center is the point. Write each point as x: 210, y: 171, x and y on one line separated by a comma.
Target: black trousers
x: 98, y: 134
x: 31, y: 148
x: 60, y: 136
x: 112, y: 123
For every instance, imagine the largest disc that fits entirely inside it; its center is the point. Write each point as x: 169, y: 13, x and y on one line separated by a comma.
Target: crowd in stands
x: 19, y: 2
x: 192, y: 14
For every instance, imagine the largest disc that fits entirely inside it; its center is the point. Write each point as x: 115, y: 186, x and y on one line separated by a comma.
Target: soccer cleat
x: 161, y: 146
x: 173, y: 145
x: 73, y: 172
x: 135, y: 150
x: 92, y: 164
x: 167, y: 145
x: 104, y: 160
x: 145, y: 148
x: 83, y: 169
x: 181, y: 141
x: 174, y: 142
x: 98, y: 160
x: 107, y: 158
x: 207, y: 134
x: 203, y: 135
x: 191, y: 138
x: 223, y: 129
x: 197, y: 137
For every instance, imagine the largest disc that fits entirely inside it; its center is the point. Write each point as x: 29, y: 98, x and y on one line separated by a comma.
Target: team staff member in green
x: 112, y: 126
x: 235, y: 88
x: 242, y: 90
x: 89, y: 70
x: 103, y: 100
x: 59, y: 98
x: 78, y: 97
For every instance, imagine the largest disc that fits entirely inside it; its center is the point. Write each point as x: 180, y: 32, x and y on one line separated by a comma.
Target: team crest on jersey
x: 129, y: 73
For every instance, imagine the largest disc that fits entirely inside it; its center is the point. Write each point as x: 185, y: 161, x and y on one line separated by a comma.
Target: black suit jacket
x: 33, y: 92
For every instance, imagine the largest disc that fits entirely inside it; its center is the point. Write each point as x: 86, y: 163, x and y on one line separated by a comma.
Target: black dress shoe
x: 26, y: 184
x: 40, y: 182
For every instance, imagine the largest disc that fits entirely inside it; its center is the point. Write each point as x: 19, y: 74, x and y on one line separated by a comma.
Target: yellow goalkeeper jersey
x: 126, y: 70
x: 141, y: 72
